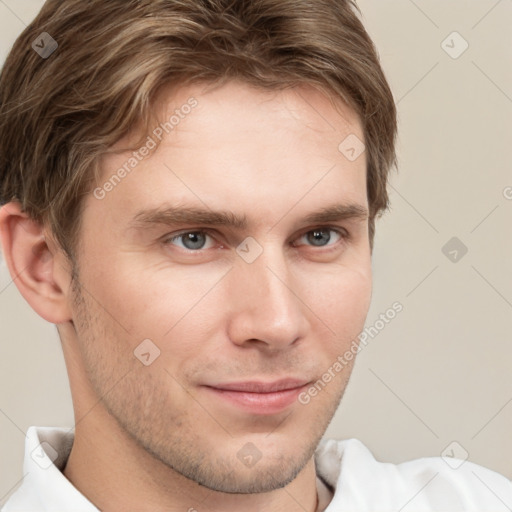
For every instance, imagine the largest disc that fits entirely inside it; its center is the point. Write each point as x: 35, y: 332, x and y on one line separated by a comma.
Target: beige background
x: 440, y: 371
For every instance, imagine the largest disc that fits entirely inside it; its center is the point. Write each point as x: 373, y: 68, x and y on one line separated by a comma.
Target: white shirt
x: 359, y: 482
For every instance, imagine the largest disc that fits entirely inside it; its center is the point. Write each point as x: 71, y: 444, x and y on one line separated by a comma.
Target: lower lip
x: 259, y: 403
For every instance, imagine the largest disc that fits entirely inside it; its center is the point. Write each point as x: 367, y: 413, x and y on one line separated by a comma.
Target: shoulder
x: 426, y: 484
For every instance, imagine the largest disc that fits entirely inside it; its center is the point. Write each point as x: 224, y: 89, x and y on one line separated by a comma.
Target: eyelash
x: 343, y: 234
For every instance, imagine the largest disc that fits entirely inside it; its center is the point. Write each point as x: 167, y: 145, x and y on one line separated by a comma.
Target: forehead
x: 254, y: 149
x: 238, y: 108
x: 300, y: 108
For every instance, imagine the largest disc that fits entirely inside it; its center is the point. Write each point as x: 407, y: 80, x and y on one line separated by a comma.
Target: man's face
x: 217, y: 314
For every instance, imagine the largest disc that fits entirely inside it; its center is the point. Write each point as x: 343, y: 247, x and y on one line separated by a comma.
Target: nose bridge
x: 265, y: 304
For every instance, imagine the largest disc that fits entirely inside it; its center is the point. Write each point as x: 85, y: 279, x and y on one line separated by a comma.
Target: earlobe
x: 38, y: 270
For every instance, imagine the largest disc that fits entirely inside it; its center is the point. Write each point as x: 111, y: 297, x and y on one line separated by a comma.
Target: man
x: 195, y: 212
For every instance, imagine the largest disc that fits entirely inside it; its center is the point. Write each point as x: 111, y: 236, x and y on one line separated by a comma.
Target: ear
x: 39, y: 269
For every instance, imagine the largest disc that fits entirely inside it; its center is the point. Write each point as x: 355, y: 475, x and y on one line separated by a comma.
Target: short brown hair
x: 60, y: 114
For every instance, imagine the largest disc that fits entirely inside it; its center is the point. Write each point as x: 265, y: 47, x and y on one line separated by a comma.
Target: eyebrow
x: 173, y: 215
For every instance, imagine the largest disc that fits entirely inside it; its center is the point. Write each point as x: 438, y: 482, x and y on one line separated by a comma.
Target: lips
x: 257, y: 398
x: 261, y: 387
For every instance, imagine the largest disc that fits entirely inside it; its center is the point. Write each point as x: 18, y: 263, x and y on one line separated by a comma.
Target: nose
x: 266, y: 303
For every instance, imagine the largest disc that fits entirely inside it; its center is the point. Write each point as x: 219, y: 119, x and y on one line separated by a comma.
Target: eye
x: 320, y: 237
x: 196, y: 240
x: 191, y: 240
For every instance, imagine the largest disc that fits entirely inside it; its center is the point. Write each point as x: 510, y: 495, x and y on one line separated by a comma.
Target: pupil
x: 317, y: 236
x: 190, y: 240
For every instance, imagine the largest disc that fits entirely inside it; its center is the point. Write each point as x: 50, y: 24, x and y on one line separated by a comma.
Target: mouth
x: 255, y: 397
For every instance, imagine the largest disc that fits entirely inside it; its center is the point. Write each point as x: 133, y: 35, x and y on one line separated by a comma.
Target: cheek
x: 149, y: 301
x: 156, y: 300
x: 342, y: 301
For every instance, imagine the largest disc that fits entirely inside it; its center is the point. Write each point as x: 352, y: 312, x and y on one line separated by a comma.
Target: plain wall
x: 440, y: 370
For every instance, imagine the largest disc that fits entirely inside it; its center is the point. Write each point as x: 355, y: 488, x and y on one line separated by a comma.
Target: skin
x: 153, y: 437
